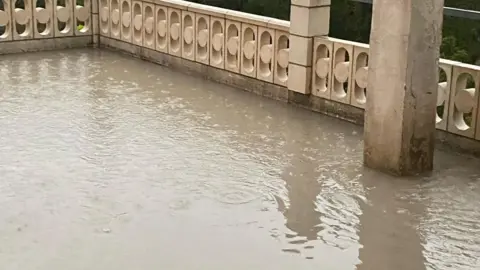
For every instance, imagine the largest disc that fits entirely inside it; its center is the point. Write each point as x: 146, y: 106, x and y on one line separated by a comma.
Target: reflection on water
x: 389, y: 222
x: 109, y: 162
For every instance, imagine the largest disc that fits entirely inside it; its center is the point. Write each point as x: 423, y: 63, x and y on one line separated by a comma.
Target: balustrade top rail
x: 447, y: 11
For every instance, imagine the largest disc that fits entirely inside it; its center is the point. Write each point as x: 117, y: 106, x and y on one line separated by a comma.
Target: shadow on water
x: 317, y: 187
x: 388, y: 224
x: 408, y: 223
x: 301, y: 214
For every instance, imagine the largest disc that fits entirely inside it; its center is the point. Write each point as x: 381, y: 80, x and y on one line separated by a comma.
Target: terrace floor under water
x: 110, y: 162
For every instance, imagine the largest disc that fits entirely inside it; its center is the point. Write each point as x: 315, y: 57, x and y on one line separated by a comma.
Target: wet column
x: 308, y: 19
x: 402, y: 85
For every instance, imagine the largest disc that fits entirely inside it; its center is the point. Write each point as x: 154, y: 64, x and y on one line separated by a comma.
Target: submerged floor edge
x: 312, y: 103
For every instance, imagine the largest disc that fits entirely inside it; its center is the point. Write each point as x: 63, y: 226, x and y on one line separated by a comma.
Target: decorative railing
x: 33, y: 19
x: 258, y: 47
x: 340, y: 72
x: 247, y: 44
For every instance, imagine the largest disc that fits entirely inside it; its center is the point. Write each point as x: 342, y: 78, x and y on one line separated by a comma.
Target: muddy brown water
x: 110, y: 162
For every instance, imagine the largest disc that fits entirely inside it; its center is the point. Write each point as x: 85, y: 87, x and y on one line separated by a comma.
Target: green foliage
x: 272, y: 8
x: 451, y: 50
x: 351, y: 20
x: 41, y: 3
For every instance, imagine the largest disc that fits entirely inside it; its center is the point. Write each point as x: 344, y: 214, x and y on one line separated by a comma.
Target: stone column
x: 402, y: 85
x: 308, y: 19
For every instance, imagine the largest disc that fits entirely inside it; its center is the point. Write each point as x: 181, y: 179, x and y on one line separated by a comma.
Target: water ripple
x: 111, y: 162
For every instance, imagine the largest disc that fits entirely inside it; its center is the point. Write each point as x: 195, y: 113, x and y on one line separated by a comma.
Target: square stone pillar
x: 308, y: 19
x: 402, y: 85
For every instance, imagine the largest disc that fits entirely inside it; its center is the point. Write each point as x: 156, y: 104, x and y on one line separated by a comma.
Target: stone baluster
x: 189, y: 35
x: 43, y: 19
x: 22, y: 21
x: 266, y: 55
x: 83, y: 18
x: 137, y: 23
x: 5, y: 21
x: 464, y: 101
x: 148, y: 32
x: 175, y: 32
x: 162, y: 34
x: 202, y: 46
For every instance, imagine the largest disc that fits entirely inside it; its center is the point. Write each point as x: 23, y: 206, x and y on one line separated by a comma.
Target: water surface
x: 109, y: 162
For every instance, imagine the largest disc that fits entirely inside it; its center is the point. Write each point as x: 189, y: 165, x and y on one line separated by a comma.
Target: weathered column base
x: 402, y: 86
x: 408, y: 165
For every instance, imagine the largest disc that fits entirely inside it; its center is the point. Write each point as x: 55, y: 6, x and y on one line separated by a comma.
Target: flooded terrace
x: 110, y: 162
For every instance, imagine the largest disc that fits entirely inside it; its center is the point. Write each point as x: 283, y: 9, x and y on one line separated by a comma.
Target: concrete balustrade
x: 458, y: 87
x: 254, y: 46
x: 50, y: 26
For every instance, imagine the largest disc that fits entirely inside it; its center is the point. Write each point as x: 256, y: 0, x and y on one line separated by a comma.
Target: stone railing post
x: 402, y: 85
x: 96, y: 23
x: 308, y: 19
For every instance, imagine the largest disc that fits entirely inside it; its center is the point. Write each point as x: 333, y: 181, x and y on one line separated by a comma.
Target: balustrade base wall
x: 45, y: 44
x: 236, y: 80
